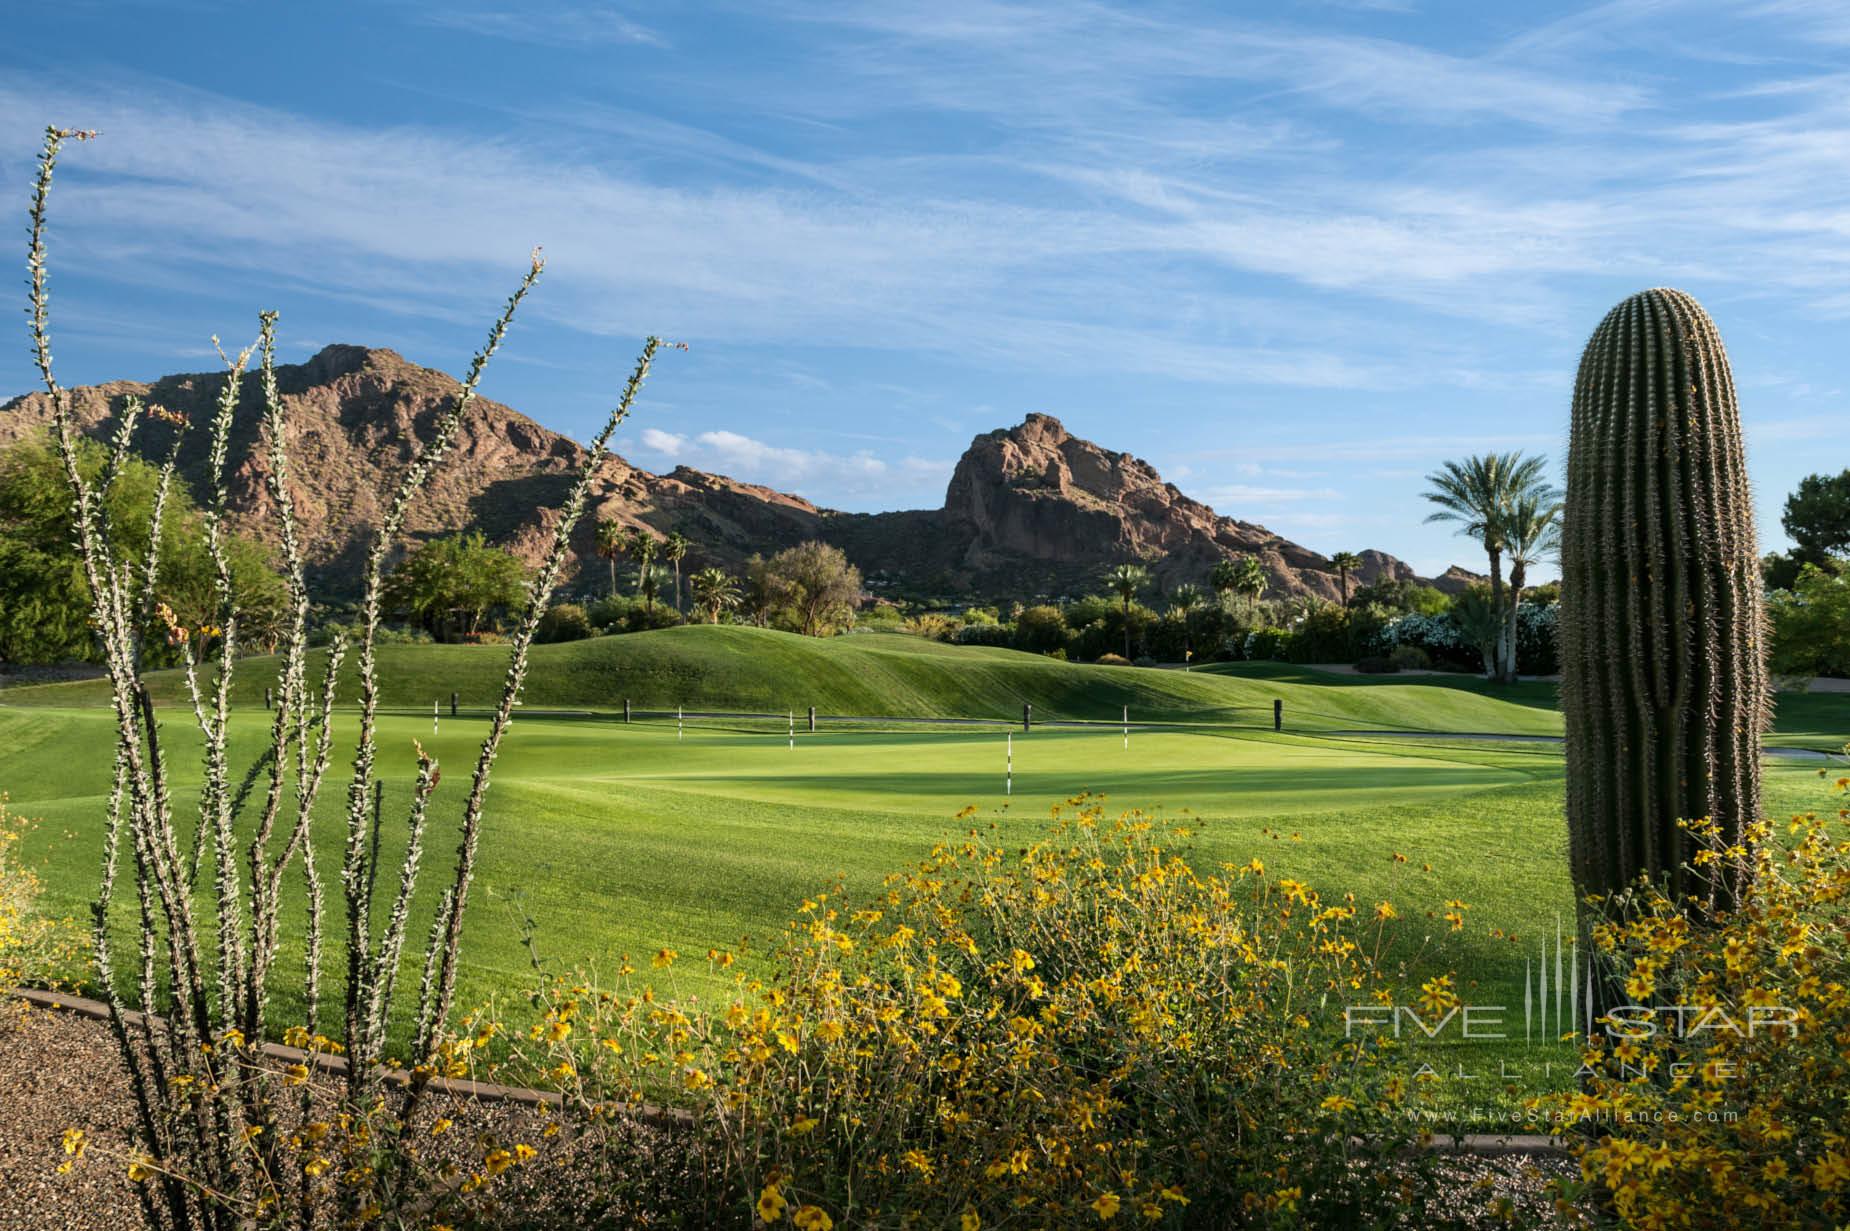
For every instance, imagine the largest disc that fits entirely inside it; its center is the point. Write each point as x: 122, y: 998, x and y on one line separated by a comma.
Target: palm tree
x: 1127, y: 580
x: 642, y: 546
x: 674, y: 551
x: 610, y: 545
x: 1480, y: 619
x: 1225, y: 578
x: 1250, y: 580
x: 715, y: 592
x: 1183, y: 601
x: 1345, y: 562
x: 1479, y: 494
x: 1534, y: 535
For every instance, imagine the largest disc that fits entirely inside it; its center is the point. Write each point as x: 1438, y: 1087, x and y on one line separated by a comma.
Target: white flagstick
x: 1008, y: 782
x: 433, y: 717
x: 680, y: 721
x: 792, y: 714
x: 1127, y: 728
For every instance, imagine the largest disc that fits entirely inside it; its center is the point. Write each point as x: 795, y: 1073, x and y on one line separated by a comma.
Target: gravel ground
x: 59, y: 1070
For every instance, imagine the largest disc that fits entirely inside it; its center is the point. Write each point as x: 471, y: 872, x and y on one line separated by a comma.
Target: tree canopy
x: 452, y: 584
x: 44, y: 600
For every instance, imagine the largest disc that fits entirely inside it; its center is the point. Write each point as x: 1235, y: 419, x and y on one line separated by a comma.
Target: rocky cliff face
x: 1031, y: 510
x: 1036, y: 493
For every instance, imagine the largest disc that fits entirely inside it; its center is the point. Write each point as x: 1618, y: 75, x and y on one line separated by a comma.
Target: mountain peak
x: 1030, y: 510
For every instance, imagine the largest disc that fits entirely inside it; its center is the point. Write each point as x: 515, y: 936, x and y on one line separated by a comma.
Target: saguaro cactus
x: 1663, y: 681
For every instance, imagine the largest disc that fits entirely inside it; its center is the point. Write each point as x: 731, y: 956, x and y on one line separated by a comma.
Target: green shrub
x: 1112, y: 660
x: 1409, y: 658
x: 989, y: 633
x: 564, y: 622
x: 1811, y: 624
x: 1040, y: 630
x: 1377, y: 664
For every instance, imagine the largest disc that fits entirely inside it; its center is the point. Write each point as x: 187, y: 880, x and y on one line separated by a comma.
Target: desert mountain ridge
x: 1030, y: 510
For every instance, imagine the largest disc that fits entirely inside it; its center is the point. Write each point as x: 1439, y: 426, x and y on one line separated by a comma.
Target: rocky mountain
x: 1030, y: 510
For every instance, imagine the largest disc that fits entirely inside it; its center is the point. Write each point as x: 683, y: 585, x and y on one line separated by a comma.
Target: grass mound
x: 752, y: 669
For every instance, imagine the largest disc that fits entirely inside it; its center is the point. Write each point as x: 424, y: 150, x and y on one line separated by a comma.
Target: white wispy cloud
x: 801, y: 470
x: 546, y: 23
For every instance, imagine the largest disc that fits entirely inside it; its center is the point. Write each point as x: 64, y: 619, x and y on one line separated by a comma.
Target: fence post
x: 812, y: 719
x: 266, y: 696
x: 452, y: 705
x: 1278, y: 713
x: 626, y: 709
x: 1027, y: 715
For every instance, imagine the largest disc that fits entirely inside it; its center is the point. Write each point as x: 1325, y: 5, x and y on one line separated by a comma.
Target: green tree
x: 1249, y: 579
x: 715, y: 592
x: 1184, y: 601
x: 674, y: 550
x: 1817, y: 516
x: 1479, y: 494
x: 643, y: 548
x: 455, y: 581
x: 43, y: 596
x: 1811, y: 624
x: 1040, y: 629
x: 1127, y: 581
x: 611, y: 543
x: 1533, y: 536
x: 1225, y: 578
x: 1479, y: 616
x: 1345, y: 563
x: 813, y: 587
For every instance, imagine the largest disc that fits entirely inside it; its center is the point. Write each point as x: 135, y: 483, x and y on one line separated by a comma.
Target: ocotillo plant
x: 1663, y: 682
x: 206, y: 1150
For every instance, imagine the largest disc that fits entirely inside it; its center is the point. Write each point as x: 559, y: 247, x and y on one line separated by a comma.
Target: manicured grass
x: 753, y: 669
x: 621, y: 839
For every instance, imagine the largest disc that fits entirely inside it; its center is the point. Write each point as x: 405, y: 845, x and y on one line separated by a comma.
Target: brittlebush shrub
x: 35, y: 949
x: 1740, y: 1116
x: 1084, y: 1030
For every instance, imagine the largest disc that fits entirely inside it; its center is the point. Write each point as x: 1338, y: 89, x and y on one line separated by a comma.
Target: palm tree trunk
x: 1499, y: 671
x: 613, y: 575
x: 1518, y: 575
x: 1127, y: 629
x: 677, y: 587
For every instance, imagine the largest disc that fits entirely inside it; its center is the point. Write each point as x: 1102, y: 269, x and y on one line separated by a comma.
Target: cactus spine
x: 1663, y: 645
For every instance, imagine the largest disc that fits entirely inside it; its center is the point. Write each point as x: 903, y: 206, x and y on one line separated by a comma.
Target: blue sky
x: 1295, y: 254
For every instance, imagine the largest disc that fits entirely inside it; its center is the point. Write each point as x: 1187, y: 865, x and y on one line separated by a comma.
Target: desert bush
x: 1112, y: 660
x: 990, y: 633
x: 621, y: 613
x: 1040, y: 629
x: 1083, y: 1029
x: 934, y: 626
x: 1376, y: 664
x: 330, y: 631
x: 564, y: 622
x: 1409, y: 658
x: 1732, y: 1111
x: 36, y: 950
